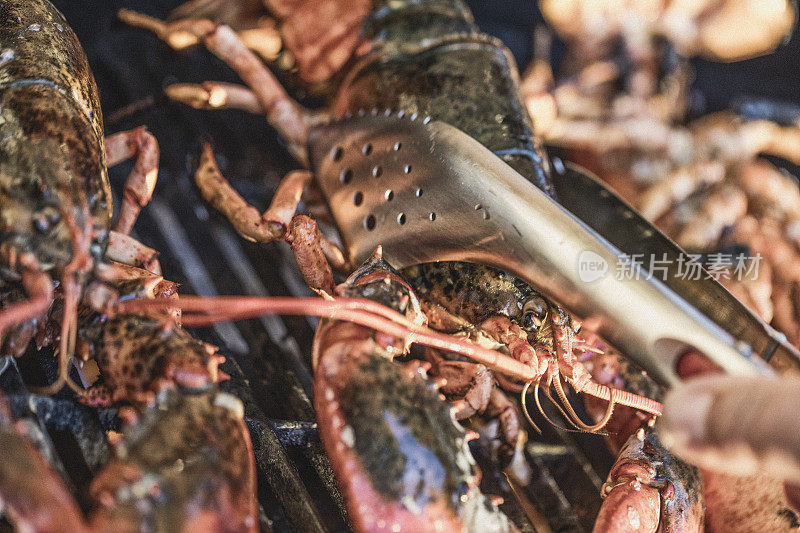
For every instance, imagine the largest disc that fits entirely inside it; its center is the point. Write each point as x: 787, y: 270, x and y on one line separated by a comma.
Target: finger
x: 736, y: 425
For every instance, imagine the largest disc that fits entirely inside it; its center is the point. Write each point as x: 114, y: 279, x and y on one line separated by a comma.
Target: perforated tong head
x: 428, y: 192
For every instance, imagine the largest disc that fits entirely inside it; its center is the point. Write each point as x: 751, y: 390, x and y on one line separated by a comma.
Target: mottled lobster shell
x: 186, y: 465
x: 429, y: 58
x: 401, y: 460
x: 51, y: 136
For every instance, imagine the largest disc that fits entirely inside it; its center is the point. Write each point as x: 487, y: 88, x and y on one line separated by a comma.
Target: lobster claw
x: 187, y: 464
x: 650, y: 490
x: 401, y: 460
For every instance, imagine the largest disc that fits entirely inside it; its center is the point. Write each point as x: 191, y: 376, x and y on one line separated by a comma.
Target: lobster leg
x: 39, y: 289
x: 285, y: 114
x: 264, y: 38
x: 307, y: 243
x: 101, y: 294
x: 215, y: 95
x: 504, y: 331
x: 505, y: 411
x: 223, y: 197
x: 18, y: 321
x: 287, y: 196
x: 235, y: 13
x: 467, y: 386
x: 277, y: 221
x: 128, y: 251
x: 138, y: 143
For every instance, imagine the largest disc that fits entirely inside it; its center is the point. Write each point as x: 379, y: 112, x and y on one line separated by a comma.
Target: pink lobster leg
x: 139, y: 186
x: 310, y: 247
x: 306, y: 241
x: 286, y: 115
x: 39, y: 289
x: 128, y: 251
x: 215, y: 95
x: 503, y: 330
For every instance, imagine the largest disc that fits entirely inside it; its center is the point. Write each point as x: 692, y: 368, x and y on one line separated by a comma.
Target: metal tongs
x: 428, y: 192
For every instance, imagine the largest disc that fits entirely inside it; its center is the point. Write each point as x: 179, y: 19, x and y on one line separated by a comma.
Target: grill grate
x: 268, y: 358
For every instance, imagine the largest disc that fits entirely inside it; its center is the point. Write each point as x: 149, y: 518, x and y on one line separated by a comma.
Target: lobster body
x: 477, y: 292
x: 429, y: 58
x: 51, y: 154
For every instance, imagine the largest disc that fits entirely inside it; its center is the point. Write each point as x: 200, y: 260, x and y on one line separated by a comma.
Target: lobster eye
x: 534, y: 313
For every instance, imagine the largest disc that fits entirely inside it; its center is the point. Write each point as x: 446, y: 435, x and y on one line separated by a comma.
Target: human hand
x: 736, y: 425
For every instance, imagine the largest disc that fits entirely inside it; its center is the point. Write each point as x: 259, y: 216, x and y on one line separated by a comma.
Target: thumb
x: 736, y: 425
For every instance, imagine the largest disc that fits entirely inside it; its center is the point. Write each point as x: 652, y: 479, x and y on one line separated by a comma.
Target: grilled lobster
x: 55, y: 198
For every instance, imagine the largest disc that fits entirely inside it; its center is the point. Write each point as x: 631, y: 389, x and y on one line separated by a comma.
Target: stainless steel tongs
x: 428, y: 192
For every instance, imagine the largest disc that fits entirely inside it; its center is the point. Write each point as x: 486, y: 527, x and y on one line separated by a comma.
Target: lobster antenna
x: 609, y: 411
x: 575, y: 419
x: 203, y: 311
x: 574, y: 428
x: 72, y: 293
x: 523, y: 401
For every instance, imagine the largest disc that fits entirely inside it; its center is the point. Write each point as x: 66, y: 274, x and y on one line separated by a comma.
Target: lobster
x: 55, y: 206
x: 55, y: 197
x: 187, y: 462
x: 418, y: 59
x: 448, y: 48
